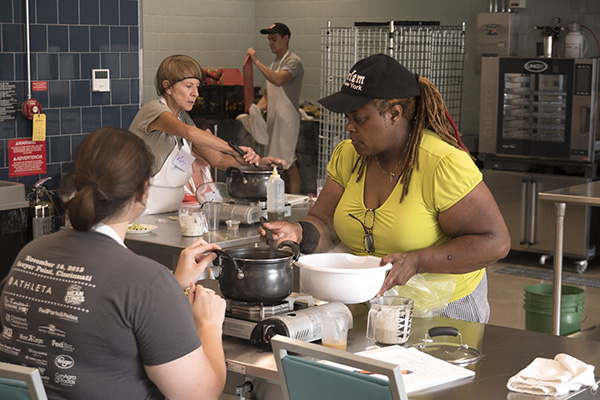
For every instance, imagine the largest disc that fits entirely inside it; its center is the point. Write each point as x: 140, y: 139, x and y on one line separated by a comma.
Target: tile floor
x: 506, y: 292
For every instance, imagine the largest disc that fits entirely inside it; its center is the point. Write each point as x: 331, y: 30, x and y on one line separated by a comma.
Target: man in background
x: 281, y: 100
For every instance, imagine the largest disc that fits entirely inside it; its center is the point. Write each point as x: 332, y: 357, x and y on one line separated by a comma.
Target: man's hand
x: 252, y: 53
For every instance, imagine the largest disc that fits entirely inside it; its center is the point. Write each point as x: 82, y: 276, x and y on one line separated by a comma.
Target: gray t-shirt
x: 293, y: 64
x: 161, y: 144
x: 90, y: 313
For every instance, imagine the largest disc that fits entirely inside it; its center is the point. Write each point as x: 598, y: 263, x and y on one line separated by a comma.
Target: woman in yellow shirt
x: 405, y: 189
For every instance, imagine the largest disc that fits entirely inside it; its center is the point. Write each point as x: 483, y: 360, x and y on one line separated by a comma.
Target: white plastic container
x: 192, y: 220
x: 574, y: 42
x: 275, y: 197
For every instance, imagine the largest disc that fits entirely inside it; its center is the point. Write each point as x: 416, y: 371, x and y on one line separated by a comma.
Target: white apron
x: 166, y: 187
x: 283, y: 122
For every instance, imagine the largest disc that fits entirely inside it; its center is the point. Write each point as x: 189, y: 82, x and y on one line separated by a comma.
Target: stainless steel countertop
x: 168, y: 235
x: 586, y: 193
x: 506, y: 351
x: 166, y: 242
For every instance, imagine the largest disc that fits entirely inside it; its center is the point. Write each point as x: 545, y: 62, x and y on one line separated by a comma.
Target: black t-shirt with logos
x: 90, y: 313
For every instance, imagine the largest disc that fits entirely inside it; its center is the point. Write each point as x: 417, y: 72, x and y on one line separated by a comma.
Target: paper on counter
x: 295, y: 198
x: 420, y: 370
x: 426, y: 370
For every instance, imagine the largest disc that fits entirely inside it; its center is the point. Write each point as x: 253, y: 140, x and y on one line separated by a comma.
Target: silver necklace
x: 392, y: 174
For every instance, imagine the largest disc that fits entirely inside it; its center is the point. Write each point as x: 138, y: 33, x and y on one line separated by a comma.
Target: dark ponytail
x: 111, y: 168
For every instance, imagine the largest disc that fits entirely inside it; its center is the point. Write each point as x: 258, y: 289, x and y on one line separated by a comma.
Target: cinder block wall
x: 218, y: 32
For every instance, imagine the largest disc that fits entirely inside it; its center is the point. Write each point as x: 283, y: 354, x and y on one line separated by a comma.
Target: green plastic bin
x: 539, y: 303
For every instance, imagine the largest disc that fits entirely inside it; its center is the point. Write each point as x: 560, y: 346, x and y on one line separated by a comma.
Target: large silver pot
x: 248, y: 182
x: 254, y: 275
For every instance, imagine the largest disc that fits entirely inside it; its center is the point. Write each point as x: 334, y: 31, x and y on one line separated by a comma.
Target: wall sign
x: 26, y: 157
x: 39, y: 86
x: 8, y: 101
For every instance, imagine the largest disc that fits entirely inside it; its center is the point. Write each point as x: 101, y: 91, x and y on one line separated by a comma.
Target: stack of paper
x: 419, y: 370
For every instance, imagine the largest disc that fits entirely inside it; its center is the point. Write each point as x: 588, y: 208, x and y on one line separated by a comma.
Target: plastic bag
x: 431, y: 293
x: 255, y: 124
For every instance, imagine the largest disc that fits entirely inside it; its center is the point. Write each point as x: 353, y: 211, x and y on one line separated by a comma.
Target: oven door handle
x: 532, y: 210
x: 524, y: 203
x: 584, y: 121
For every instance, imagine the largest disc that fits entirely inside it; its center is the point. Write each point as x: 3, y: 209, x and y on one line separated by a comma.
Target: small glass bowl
x: 232, y: 224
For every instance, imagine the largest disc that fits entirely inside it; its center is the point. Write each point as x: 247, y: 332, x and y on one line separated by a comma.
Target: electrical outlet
x: 516, y: 3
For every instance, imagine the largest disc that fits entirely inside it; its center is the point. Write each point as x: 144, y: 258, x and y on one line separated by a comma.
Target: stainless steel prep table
x: 587, y: 194
x: 166, y: 242
x: 506, y: 351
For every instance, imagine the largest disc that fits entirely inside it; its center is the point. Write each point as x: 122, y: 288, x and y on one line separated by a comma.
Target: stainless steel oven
x: 543, y: 108
x: 539, y: 131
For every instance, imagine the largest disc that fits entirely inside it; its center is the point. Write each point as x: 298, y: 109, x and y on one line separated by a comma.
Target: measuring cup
x: 192, y: 220
x: 389, y: 319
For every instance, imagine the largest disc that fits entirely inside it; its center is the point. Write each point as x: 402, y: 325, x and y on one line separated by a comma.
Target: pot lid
x: 455, y: 353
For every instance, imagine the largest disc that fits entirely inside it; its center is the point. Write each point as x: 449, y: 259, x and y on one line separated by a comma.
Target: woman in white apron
x: 166, y: 187
x: 174, y: 139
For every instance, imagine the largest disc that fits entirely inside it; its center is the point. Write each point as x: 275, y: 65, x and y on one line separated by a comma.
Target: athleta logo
x: 354, y: 81
x: 64, y: 361
x: 31, y: 286
x: 74, y: 295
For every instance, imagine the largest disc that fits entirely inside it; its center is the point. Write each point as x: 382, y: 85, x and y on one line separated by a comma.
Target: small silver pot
x: 248, y: 182
x: 253, y: 275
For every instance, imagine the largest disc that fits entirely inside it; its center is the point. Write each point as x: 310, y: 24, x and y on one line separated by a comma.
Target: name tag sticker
x: 183, y: 160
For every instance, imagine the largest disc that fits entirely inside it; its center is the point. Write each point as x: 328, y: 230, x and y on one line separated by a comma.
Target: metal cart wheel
x: 581, y: 266
x: 544, y: 258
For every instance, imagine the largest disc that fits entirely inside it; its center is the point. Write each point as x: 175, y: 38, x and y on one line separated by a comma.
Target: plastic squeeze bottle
x: 275, y: 197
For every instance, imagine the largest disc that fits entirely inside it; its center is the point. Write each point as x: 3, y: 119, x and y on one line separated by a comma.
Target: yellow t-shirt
x: 445, y: 175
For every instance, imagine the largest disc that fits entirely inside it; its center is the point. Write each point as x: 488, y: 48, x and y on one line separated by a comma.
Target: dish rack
x: 431, y: 50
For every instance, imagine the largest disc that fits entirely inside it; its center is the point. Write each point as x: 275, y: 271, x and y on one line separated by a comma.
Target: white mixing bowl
x: 341, y: 277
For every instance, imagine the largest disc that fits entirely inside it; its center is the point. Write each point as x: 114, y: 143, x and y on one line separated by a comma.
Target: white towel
x: 255, y: 124
x: 553, y: 377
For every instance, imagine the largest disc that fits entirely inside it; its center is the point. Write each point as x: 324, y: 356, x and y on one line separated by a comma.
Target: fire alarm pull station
x: 100, y: 80
x: 31, y: 107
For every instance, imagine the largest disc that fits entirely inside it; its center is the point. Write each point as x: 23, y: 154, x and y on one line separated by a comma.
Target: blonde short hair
x: 174, y: 69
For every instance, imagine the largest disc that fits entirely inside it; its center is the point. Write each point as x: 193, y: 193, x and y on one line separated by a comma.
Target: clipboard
x: 248, y: 83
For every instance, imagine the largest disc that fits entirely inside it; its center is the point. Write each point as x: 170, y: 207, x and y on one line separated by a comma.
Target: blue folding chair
x: 20, y: 383
x: 307, y: 379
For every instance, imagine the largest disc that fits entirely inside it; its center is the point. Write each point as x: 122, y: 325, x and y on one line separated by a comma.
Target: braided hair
x: 427, y: 111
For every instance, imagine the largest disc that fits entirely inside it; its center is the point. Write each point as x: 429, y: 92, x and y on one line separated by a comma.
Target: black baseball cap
x: 376, y: 77
x: 277, y: 27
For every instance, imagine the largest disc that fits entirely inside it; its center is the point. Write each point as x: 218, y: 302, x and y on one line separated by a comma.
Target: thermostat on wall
x: 100, y: 80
